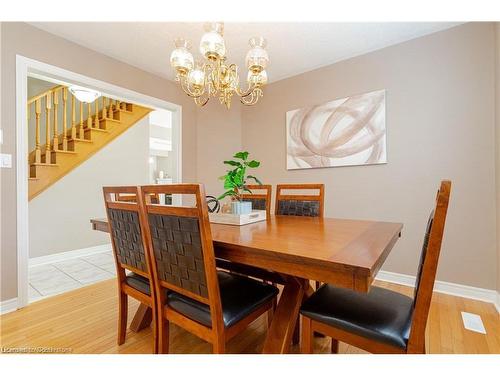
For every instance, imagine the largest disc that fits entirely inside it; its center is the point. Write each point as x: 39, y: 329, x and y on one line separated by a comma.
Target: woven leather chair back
x: 260, y: 200
x: 300, y: 204
x: 127, y: 237
x: 181, y: 242
x: 178, y: 253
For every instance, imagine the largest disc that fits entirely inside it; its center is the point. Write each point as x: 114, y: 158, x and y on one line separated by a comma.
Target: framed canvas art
x: 342, y: 132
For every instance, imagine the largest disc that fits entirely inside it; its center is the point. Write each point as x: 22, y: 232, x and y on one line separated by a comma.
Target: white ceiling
x: 293, y: 48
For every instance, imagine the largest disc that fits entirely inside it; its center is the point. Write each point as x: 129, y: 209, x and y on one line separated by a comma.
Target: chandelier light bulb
x: 257, y: 58
x: 257, y: 78
x: 181, y: 59
x: 196, y: 77
x: 212, y: 44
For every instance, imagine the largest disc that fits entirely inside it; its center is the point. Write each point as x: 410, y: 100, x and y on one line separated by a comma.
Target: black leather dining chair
x: 380, y: 321
x: 191, y: 292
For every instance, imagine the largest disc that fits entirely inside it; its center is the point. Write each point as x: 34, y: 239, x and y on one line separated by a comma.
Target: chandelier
x: 216, y: 77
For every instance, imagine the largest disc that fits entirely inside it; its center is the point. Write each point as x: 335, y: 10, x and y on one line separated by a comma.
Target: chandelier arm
x: 216, y: 74
x: 251, y: 88
x: 253, y: 98
x: 201, y: 102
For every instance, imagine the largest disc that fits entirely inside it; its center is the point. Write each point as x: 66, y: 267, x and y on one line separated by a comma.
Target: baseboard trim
x: 38, y: 261
x: 8, y: 306
x: 465, y: 291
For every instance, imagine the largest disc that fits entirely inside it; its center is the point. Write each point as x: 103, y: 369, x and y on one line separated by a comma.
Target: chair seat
x: 138, y: 282
x: 240, y: 296
x: 381, y: 315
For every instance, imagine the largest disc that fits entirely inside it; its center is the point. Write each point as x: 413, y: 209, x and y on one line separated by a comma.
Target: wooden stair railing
x: 67, y: 145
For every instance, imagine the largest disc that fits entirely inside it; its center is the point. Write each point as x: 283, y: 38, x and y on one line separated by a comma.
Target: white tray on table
x: 233, y: 219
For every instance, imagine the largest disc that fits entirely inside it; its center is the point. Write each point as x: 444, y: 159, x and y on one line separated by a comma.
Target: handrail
x: 51, y: 90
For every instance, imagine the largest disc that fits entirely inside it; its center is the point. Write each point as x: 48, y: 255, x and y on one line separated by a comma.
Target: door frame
x: 29, y: 67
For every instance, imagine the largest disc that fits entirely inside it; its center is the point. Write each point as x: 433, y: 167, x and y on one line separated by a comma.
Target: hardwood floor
x: 85, y: 321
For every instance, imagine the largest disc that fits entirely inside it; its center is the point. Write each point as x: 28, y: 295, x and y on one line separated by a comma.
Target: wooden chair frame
x: 302, y: 197
x: 217, y: 334
x: 112, y: 199
x: 416, y: 341
x: 126, y: 197
x: 266, y: 196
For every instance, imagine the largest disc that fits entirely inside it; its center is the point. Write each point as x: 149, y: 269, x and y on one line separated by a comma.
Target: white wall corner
x: 464, y: 291
x: 8, y: 306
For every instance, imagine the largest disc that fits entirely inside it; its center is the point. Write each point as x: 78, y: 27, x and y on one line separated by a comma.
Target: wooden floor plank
x: 85, y: 321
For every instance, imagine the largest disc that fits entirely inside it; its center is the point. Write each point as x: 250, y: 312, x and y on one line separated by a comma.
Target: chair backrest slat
x: 127, y: 236
x: 182, y: 248
x: 259, y: 201
x: 300, y: 204
x: 426, y: 275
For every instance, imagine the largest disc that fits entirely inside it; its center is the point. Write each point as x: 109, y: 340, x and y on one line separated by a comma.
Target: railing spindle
x: 89, y: 117
x: 110, y: 113
x: 96, y: 117
x: 55, y: 128
x: 73, y: 117
x: 81, y: 130
x: 65, y: 119
x: 38, y: 110
x: 48, y: 106
x: 103, y: 108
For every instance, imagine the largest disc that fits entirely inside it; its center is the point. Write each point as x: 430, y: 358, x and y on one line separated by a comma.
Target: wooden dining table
x: 342, y: 252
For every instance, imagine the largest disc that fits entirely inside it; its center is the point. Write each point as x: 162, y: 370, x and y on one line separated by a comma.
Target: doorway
x: 31, y: 68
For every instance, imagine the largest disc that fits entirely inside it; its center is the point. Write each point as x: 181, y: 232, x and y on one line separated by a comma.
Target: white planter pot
x: 241, y: 208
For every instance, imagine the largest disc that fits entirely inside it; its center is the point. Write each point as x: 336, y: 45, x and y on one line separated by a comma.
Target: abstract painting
x: 342, y: 132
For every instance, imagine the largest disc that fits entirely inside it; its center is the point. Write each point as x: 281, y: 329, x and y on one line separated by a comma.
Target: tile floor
x: 50, y: 279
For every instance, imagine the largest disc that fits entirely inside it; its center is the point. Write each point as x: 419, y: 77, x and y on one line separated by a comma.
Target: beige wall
x: 440, y: 124
x: 497, y: 138
x: 78, y: 195
x: 23, y: 39
x: 219, y: 138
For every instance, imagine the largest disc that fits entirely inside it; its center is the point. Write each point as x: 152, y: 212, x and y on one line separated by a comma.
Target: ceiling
x: 293, y: 48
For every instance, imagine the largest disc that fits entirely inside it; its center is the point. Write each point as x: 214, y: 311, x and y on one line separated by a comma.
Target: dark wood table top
x: 348, y: 253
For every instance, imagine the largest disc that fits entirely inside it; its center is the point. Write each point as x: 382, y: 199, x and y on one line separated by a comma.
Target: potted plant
x: 235, y: 181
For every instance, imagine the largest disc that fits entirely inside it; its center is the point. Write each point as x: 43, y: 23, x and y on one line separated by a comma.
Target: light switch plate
x: 5, y: 161
x: 473, y: 322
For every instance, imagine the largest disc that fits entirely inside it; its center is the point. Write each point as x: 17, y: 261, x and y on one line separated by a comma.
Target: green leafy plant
x: 235, y: 180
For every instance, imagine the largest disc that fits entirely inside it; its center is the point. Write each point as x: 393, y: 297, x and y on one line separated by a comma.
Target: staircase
x: 69, y: 143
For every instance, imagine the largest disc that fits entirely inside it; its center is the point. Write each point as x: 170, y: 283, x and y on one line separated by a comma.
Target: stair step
x: 43, y: 165
x: 60, y: 151
x: 110, y: 119
x: 97, y: 130
x: 79, y: 140
x: 57, y: 154
x: 35, y: 166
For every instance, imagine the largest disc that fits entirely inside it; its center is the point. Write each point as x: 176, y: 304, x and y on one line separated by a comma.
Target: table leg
x: 280, y: 333
x: 296, y: 334
x: 142, y: 318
